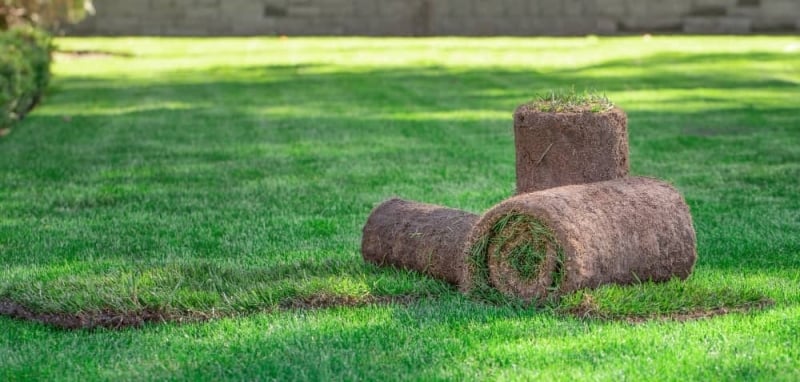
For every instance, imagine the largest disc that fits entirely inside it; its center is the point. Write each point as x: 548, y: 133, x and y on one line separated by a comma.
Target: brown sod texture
x: 422, y: 237
x: 589, y: 310
x: 559, y: 149
x: 556, y: 241
x: 111, y: 319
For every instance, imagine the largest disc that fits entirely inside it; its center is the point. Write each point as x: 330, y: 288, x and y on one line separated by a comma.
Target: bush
x: 49, y: 14
x: 25, y: 55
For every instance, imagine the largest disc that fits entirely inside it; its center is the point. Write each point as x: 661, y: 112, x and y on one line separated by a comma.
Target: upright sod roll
x: 561, y: 148
x: 417, y: 236
x: 559, y: 240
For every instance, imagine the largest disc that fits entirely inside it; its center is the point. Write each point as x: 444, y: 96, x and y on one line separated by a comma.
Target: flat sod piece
x: 575, y: 146
x: 553, y: 242
x: 417, y: 236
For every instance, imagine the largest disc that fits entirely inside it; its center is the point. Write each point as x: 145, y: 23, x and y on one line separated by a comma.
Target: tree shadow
x: 333, y: 89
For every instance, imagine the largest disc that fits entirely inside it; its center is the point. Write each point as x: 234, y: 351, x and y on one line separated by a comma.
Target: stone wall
x: 437, y: 17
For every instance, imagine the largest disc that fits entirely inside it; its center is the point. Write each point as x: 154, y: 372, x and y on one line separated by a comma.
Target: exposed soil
x: 588, y: 310
x: 87, y: 54
x: 110, y: 319
x: 328, y: 301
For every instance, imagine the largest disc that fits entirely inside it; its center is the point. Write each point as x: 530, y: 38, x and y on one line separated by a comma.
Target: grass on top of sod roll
x: 523, y: 242
x: 571, y: 101
x: 232, y: 177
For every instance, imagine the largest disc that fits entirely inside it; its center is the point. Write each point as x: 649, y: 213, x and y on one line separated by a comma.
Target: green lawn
x: 230, y: 178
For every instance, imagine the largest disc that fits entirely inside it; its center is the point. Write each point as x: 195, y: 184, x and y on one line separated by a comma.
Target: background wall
x: 437, y: 17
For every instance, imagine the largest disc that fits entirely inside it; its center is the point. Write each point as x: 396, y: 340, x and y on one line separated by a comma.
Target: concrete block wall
x: 437, y: 17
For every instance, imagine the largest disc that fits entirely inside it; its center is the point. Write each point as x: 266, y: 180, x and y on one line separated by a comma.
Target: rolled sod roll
x: 559, y: 149
x: 417, y: 236
x: 559, y: 240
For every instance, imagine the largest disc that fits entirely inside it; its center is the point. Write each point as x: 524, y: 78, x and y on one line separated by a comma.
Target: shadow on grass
x: 333, y: 89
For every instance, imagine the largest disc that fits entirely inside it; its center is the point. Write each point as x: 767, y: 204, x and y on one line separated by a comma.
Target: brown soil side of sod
x: 417, y: 236
x: 89, y: 320
x: 110, y: 319
x: 559, y: 149
x: 88, y: 54
x: 117, y: 321
x: 588, y: 310
x: 621, y: 231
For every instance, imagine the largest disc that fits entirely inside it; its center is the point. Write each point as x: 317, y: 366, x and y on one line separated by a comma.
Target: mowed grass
x: 231, y: 178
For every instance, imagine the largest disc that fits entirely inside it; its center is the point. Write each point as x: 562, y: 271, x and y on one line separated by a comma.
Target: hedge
x: 25, y: 55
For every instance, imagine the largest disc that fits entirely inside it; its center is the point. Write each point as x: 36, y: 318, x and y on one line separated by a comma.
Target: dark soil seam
x: 584, y: 312
x: 84, y: 53
x: 116, y: 320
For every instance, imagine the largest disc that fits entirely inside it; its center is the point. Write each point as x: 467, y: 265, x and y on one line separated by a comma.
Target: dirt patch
x: 417, y: 236
x: 330, y: 301
x: 4, y: 132
x: 558, y: 149
x: 110, y: 319
x: 589, y: 310
x: 89, y: 320
x: 622, y: 231
x: 87, y: 54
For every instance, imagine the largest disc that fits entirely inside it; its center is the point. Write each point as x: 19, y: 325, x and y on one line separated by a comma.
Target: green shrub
x: 48, y: 14
x: 25, y: 55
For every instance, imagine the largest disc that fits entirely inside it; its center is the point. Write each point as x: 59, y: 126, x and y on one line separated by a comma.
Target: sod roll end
x: 556, y: 241
x: 561, y: 148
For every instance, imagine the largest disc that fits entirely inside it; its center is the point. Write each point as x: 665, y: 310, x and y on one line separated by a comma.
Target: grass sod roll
x: 519, y: 253
x: 552, y: 242
x: 561, y: 145
x: 417, y: 236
